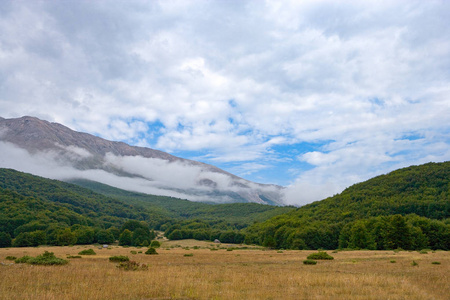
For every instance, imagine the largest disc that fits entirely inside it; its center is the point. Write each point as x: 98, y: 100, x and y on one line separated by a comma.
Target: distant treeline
x: 408, y: 208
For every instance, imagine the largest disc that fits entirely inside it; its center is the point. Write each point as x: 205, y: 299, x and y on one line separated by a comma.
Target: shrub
x: 392, y: 261
x: 23, y: 259
x: 414, y: 263
x: 47, y: 259
x: 229, y: 249
x: 119, y: 258
x: 309, y: 262
x: 436, y: 263
x: 133, y: 252
x: 189, y: 254
x: 10, y: 258
x: 87, y: 252
x: 132, y: 266
x: 74, y: 256
x: 423, y: 251
x: 155, y: 244
x: 320, y: 255
x: 151, y: 251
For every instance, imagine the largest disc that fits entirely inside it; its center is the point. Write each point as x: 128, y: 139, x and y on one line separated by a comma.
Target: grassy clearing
x: 221, y: 274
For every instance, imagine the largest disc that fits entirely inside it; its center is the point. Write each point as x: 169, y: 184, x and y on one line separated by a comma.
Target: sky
x: 312, y: 95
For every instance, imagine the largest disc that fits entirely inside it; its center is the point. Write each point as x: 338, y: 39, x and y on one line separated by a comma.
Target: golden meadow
x: 191, y: 270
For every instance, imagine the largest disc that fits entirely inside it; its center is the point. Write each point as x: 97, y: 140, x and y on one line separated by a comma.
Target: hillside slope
x: 37, y: 207
x: 240, y: 213
x: 417, y: 195
x: 53, y: 150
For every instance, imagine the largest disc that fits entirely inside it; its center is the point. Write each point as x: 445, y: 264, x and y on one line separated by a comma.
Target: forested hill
x: 242, y: 214
x: 36, y: 210
x: 416, y: 198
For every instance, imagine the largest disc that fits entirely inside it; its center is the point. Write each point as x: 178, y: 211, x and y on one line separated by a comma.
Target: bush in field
x: 74, y: 256
x: 119, y: 258
x: 87, y: 252
x: 47, y: 259
x: 10, y: 258
x: 23, y: 259
x: 189, y: 254
x: 132, y: 266
x: 320, y: 255
x: 309, y: 262
x: 151, y: 251
x: 436, y: 263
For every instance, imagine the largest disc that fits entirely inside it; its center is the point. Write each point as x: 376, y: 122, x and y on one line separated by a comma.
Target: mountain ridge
x: 86, y: 152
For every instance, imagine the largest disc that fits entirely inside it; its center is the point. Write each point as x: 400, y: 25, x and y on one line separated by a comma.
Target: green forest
x: 408, y: 209
x: 36, y: 211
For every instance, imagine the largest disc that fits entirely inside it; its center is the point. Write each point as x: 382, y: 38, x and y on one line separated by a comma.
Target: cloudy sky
x: 314, y: 95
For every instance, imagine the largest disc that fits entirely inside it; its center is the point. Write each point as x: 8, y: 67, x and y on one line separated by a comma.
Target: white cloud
x: 226, y: 77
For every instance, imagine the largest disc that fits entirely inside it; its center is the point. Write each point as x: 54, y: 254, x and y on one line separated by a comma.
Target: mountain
x: 55, y: 151
x: 413, y: 201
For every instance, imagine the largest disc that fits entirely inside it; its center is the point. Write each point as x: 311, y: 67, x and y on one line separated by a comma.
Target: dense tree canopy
x: 408, y: 208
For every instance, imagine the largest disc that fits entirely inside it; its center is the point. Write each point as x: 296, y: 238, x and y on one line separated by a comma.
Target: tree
x: 399, y: 234
x: 155, y: 244
x: 419, y: 240
x: 360, y: 237
x: 66, y: 237
x: 132, y: 225
x: 85, y: 235
x: 22, y: 240
x: 175, y: 235
x: 5, y: 240
x: 125, y: 238
x: 227, y: 237
x: 105, y: 237
x: 140, y: 235
x: 201, y: 235
x: 270, y: 242
x: 115, y: 232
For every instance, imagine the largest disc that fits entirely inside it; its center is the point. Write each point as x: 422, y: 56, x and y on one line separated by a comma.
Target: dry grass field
x: 238, y: 274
